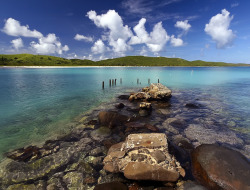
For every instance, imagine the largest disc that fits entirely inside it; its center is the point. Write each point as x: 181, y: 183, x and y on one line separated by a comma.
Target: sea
x: 37, y: 104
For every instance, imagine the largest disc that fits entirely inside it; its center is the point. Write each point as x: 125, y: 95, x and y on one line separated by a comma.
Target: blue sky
x: 209, y: 30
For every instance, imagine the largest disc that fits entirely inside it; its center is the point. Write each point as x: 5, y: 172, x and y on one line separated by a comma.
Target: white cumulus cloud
x: 155, y: 41
x: 142, y: 35
x: 99, y: 47
x: 80, y: 37
x: 118, y: 34
x: 13, y: 27
x: 17, y: 43
x: 49, y: 45
x: 176, y: 42
x: 218, y: 29
x: 184, y: 25
x: 158, y: 38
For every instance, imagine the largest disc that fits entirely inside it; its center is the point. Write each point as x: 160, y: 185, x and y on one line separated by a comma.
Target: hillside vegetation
x: 44, y: 60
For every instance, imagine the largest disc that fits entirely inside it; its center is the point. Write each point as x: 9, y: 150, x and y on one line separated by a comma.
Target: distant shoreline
x: 37, y: 61
x: 58, y: 67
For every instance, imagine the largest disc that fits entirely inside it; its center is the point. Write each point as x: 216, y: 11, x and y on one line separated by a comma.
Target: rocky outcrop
x: 218, y: 167
x: 33, y: 170
x: 144, y: 157
x: 155, y: 91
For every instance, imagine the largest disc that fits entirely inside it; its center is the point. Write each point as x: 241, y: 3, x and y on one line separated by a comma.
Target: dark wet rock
x: 85, y: 167
x: 71, y: 137
x: 158, y: 155
x: 111, y: 177
x: 111, y: 186
x: 25, y: 154
x: 108, y: 143
x: 96, y: 162
x: 193, y: 105
x: 123, y: 97
x: 138, y: 157
x: 135, y: 125
x: 111, y: 119
x: 89, y: 180
x: 151, y: 127
x: 73, y: 180
x: 100, y: 133
x: 205, y: 135
x: 54, y: 184
x: 139, y: 126
x: 176, y: 122
x: 119, y: 105
x: 191, y: 185
x: 41, y: 185
x: 218, y: 167
x: 19, y: 172
x: 182, y: 142
x: 143, y: 157
x: 155, y: 91
x: 22, y: 187
x: 92, y: 122
x: 163, y: 111
x: 144, y: 113
x: 101, y: 150
x: 164, y: 188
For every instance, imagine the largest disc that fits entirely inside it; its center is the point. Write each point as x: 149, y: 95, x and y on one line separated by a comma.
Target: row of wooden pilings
x: 112, y: 82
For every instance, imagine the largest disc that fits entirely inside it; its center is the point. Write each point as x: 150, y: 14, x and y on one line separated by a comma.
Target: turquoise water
x: 38, y: 103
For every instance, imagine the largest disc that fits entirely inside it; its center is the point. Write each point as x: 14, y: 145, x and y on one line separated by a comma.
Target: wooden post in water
x: 102, y: 84
x: 148, y: 81
x: 158, y: 80
x: 112, y: 82
x: 115, y: 81
x: 109, y: 82
x: 137, y: 81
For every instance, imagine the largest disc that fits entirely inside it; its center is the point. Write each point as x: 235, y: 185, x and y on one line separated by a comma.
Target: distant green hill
x: 44, y: 60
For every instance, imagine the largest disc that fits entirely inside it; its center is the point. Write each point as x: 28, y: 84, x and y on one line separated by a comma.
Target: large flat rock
x: 144, y: 171
x: 218, y: 167
x: 144, y: 156
x: 147, y: 140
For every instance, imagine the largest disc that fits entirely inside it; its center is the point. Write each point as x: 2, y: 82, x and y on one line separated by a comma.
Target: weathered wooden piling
x: 137, y: 81
x: 109, y: 82
x: 148, y: 81
x: 115, y: 81
x: 102, y: 84
x: 112, y: 82
x: 158, y: 80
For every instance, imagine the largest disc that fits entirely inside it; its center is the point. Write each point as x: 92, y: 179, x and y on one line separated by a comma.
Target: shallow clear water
x: 36, y: 104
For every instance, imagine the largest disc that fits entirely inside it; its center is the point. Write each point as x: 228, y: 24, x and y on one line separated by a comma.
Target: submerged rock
x: 25, y: 154
x: 111, y: 119
x: 100, y: 133
x: 209, y: 135
x: 144, y: 157
x: 111, y: 186
x: 155, y: 91
x: 22, y: 172
x: 193, y: 105
x: 218, y: 167
x: 119, y: 105
x: 73, y: 180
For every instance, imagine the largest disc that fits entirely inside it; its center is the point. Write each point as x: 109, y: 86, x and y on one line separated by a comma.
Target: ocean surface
x: 40, y: 103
